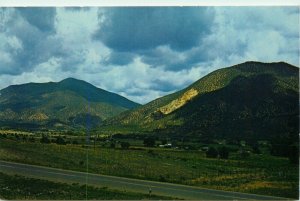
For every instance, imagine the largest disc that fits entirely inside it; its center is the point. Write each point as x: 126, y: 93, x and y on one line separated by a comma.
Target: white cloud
x: 264, y: 34
x: 254, y: 33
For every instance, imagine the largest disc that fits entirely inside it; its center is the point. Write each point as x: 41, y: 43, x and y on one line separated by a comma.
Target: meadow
x: 258, y: 173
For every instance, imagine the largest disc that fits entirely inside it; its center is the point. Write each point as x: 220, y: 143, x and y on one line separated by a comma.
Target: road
x: 120, y: 183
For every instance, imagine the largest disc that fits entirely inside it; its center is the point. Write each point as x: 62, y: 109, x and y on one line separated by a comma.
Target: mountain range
x: 248, y: 100
x: 69, y: 103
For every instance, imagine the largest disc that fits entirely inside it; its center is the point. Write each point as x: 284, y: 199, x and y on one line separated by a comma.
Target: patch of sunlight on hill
x: 177, y: 103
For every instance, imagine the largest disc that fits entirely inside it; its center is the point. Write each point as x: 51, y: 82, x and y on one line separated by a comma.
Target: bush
x: 112, y: 145
x: 223, y: 152
x: 211, y: 153
x: 164, y: 141
x: 45, y: 140
x: 162, y: 178
x: 293, y: 154
x: 24, y: 138
x: 60, y: 140
x: 125, y: 145
x: 17, y: 137
x: 31, y: 139
x: 255, y: 148
x: 149, y: 142
x: 244, y: 154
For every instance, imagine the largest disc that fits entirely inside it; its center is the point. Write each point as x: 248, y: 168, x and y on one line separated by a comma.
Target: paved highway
x: 120, y: 183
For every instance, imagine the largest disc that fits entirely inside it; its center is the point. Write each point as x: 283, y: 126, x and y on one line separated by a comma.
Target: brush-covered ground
x: 257, y: 173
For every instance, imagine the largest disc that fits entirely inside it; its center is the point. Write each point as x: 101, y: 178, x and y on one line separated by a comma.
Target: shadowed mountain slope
x: 249, y: 99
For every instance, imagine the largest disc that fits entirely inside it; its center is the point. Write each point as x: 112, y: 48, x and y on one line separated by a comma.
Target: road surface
x: 125, y: 184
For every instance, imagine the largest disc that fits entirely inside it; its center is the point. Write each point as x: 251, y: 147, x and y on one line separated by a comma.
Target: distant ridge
x: 68, y: 103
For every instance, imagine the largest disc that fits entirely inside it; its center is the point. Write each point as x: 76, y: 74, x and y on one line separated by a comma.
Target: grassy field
x: 260, y: 174
x: 19, y: 187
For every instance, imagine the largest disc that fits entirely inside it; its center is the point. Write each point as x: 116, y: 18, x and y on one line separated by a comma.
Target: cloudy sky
x: 141, y: 53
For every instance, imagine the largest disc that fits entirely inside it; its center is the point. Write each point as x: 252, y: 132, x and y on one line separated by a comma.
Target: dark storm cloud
x: 119, y: 58
x: 141, y: 30
x: 175, y: 61
x: 145, y: 52
x: 42, y: 18
x: 33, y: 29
x: 37, y: 47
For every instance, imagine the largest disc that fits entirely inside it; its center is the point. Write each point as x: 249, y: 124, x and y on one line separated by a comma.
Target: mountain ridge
x: 65, y: 102
x: 278, y: 80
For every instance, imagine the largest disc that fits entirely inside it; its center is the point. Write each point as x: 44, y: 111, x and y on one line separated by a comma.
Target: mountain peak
x: 245, y: 92
x: 70, y: 102
x: 279, y: 68
x: 263, y: 63
x: 70, y: 79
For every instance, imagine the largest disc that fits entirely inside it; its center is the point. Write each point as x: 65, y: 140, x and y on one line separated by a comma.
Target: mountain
x: 69, y: 103
x: 247, y: 100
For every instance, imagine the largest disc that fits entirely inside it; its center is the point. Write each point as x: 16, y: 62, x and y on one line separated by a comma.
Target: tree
x: 125, y: 145
x: 149, y: 142
x: 293, y: 153
x: 206, y: 138
x: 282, y: 143
x: 174, y: 143
x: 24, y: 138
x: 211, y: 153
x: 45, y: 139
x: 17, y: 137
x: 163, y: 141
x: 112, y: 145
x: 255, y: 148
x: 253, y: 143
x: 60, y: 140
x: 31, y: 139
x: 244, y: 154
x: 223, y: 152
x: 234, y: 141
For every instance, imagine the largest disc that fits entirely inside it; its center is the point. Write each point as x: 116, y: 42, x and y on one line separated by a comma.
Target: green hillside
x: 69, y: 103
x: 249, y: 99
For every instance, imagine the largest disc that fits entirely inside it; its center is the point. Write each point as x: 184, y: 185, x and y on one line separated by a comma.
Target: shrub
x: 255, y: 148
x: 31, y: 139
x: 293, y: 154
x: 112, y: 145
x: 60, y: 140
x: 17, y: 137
x: 125, y: 145
x: 211, y: 153
x: 45, y: 140
x: 163, y: 141
x: 223, y: 152
x: 244, y: 154
x: 162, y: 178
x: 149, y: 142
